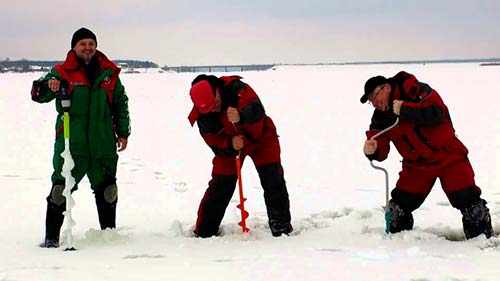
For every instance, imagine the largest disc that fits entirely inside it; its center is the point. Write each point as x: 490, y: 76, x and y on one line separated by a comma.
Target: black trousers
x: 221, y: 188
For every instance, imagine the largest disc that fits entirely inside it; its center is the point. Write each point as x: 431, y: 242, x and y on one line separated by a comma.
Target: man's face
x: 85, y: 49
x: 380, y: 96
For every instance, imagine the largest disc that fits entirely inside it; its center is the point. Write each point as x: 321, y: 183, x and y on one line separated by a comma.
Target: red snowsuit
x: 260, y: 144
x: 426, y: 140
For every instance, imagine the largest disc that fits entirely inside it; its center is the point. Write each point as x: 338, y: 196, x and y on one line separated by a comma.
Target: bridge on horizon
x: 220, y: 68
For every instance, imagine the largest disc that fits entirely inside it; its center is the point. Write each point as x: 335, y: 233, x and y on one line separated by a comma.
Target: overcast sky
x: 186, y: 32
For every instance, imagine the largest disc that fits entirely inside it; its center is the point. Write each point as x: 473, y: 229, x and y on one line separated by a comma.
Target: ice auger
x: 68, y: 165
x: 241, y: 206
x: 387, y: 212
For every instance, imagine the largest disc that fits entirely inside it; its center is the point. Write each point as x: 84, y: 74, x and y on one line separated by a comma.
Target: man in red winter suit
x: 426, y: 140
x: 232, y: 121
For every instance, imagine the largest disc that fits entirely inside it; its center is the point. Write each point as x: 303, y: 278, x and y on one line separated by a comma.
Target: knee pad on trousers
x: 56, y: 195
x: 476, y: 220
x: 110, y: 193
x: 397, y: 219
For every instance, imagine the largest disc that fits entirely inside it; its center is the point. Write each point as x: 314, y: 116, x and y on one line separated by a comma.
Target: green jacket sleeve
x: 121, y: 116
x: 40, y: 91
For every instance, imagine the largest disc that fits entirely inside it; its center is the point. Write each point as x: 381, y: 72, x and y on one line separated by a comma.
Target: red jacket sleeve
x: 212, y: 132
x: 421, y: 104
x: 252, y: 115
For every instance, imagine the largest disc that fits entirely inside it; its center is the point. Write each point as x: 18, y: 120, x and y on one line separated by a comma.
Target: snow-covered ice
x: 336, y: 197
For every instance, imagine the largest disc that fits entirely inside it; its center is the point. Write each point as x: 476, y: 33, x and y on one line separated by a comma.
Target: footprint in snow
x: 329, y: 250
x: 180, y: 187
x: 143, y: 256
x: 223, y: 260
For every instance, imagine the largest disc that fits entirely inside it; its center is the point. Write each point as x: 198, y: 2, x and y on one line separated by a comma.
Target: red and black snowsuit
x: 426, y: 140
x: 260, y: 144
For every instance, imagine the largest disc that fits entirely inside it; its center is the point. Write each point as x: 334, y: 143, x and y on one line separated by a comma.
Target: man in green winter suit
x: 99, y: 124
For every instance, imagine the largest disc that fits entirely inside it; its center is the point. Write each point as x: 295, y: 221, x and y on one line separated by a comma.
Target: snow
x: 336, y: 197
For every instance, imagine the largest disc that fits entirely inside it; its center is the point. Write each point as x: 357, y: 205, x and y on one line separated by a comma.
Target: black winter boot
x: 476, y: 220
x: 106, y: 199
x: 397, y: 219
x: 56, y: 205
x: 280, y: 228
x: 276, y: 198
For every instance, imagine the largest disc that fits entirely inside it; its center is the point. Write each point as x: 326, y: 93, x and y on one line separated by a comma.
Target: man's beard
x: 86, y: 58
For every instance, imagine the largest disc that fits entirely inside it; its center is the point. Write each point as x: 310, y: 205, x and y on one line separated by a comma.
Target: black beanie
x: 82, y: 33
x: 370, y: 85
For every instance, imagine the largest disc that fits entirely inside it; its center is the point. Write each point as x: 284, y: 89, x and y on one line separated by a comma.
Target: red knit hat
x: 203, y: 96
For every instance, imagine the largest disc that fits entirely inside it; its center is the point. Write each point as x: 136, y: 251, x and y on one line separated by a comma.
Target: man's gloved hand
x: 370, y: 147
x: 121, y: 143
x: 396, y: 106
x: 35, y: 89
x: 238, y: 142
x: 233, y: 115
x: 54, y: 85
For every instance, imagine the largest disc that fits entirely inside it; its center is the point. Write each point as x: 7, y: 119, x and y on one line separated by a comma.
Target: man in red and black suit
x: 426, y: 140
x: 232, y: 121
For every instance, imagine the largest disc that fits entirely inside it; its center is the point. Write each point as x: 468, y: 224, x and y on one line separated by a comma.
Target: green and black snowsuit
x: 98, y: 115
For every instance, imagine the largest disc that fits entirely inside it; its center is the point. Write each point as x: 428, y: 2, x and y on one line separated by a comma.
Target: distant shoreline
x: 479, y: 60
x: 150, y: 64
x: 131, y: 66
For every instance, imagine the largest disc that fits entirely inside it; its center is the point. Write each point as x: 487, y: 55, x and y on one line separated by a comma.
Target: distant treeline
x: 37, y: 65
x: 130, y: 65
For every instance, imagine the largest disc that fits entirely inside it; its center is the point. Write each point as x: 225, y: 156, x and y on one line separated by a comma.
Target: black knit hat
x: 82, y: 33
x: 370, y: 85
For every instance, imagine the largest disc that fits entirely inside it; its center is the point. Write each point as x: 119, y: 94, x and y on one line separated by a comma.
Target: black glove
x: 37, y: 87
